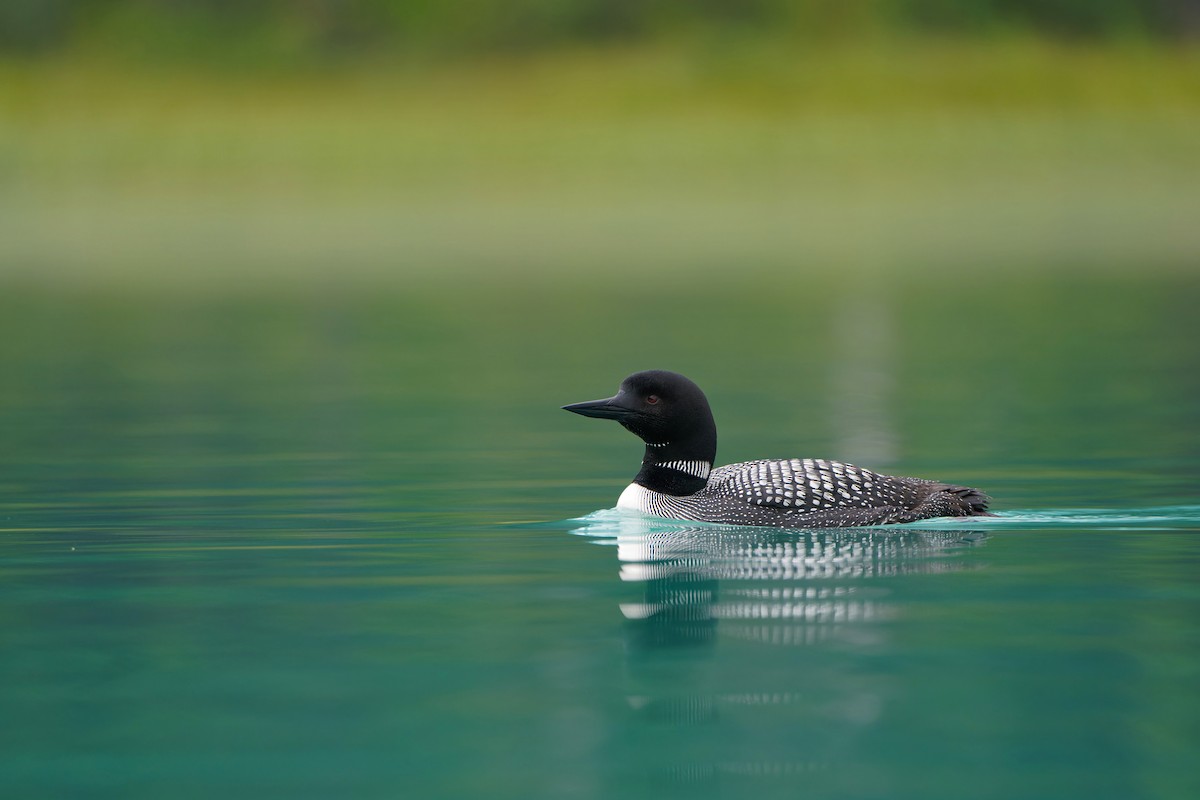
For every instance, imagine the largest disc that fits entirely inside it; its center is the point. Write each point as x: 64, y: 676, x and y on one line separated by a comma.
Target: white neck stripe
x: 697, y: 469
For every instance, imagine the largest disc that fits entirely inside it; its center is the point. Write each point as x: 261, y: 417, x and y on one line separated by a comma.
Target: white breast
x: 636, y: 498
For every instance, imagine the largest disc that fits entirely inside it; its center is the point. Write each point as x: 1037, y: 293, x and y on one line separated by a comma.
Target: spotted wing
x: 808, y: 485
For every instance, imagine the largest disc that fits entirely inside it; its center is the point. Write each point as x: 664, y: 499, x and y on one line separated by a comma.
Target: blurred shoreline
x: 926, y: 154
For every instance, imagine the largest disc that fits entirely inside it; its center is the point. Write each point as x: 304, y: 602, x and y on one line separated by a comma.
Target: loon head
x: 671, y: 415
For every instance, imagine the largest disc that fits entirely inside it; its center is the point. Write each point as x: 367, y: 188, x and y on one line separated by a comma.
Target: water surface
x: 345, y: 544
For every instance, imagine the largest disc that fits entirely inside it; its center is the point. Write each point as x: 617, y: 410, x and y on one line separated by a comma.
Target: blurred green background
x: 291, y: 293
x: 217, y: 144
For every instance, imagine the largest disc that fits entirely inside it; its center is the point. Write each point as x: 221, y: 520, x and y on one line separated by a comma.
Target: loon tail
x: 970, y: 502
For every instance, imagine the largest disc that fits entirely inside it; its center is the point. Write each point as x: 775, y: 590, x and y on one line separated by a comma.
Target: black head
x: 666, y: 410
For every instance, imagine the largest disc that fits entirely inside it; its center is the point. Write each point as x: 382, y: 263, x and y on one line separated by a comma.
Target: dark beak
x: 608, y: 408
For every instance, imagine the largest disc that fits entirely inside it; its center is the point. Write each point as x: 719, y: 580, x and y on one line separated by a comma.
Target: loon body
x: 677, y: 479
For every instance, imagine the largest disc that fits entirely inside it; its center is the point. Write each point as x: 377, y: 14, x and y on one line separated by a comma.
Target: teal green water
x: 345, y: 544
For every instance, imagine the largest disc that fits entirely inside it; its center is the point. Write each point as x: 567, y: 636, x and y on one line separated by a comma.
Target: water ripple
x: 1152, y: 518
x: 612, y: 522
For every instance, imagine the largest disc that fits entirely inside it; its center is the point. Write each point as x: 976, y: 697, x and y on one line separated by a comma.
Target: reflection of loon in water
x: 762, y: 593
x: 781, y: 587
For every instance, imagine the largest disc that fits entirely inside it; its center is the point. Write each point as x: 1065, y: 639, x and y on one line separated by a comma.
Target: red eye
x: 652, y: 400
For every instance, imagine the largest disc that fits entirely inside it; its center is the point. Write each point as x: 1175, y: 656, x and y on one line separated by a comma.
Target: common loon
x: 671, y: 415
